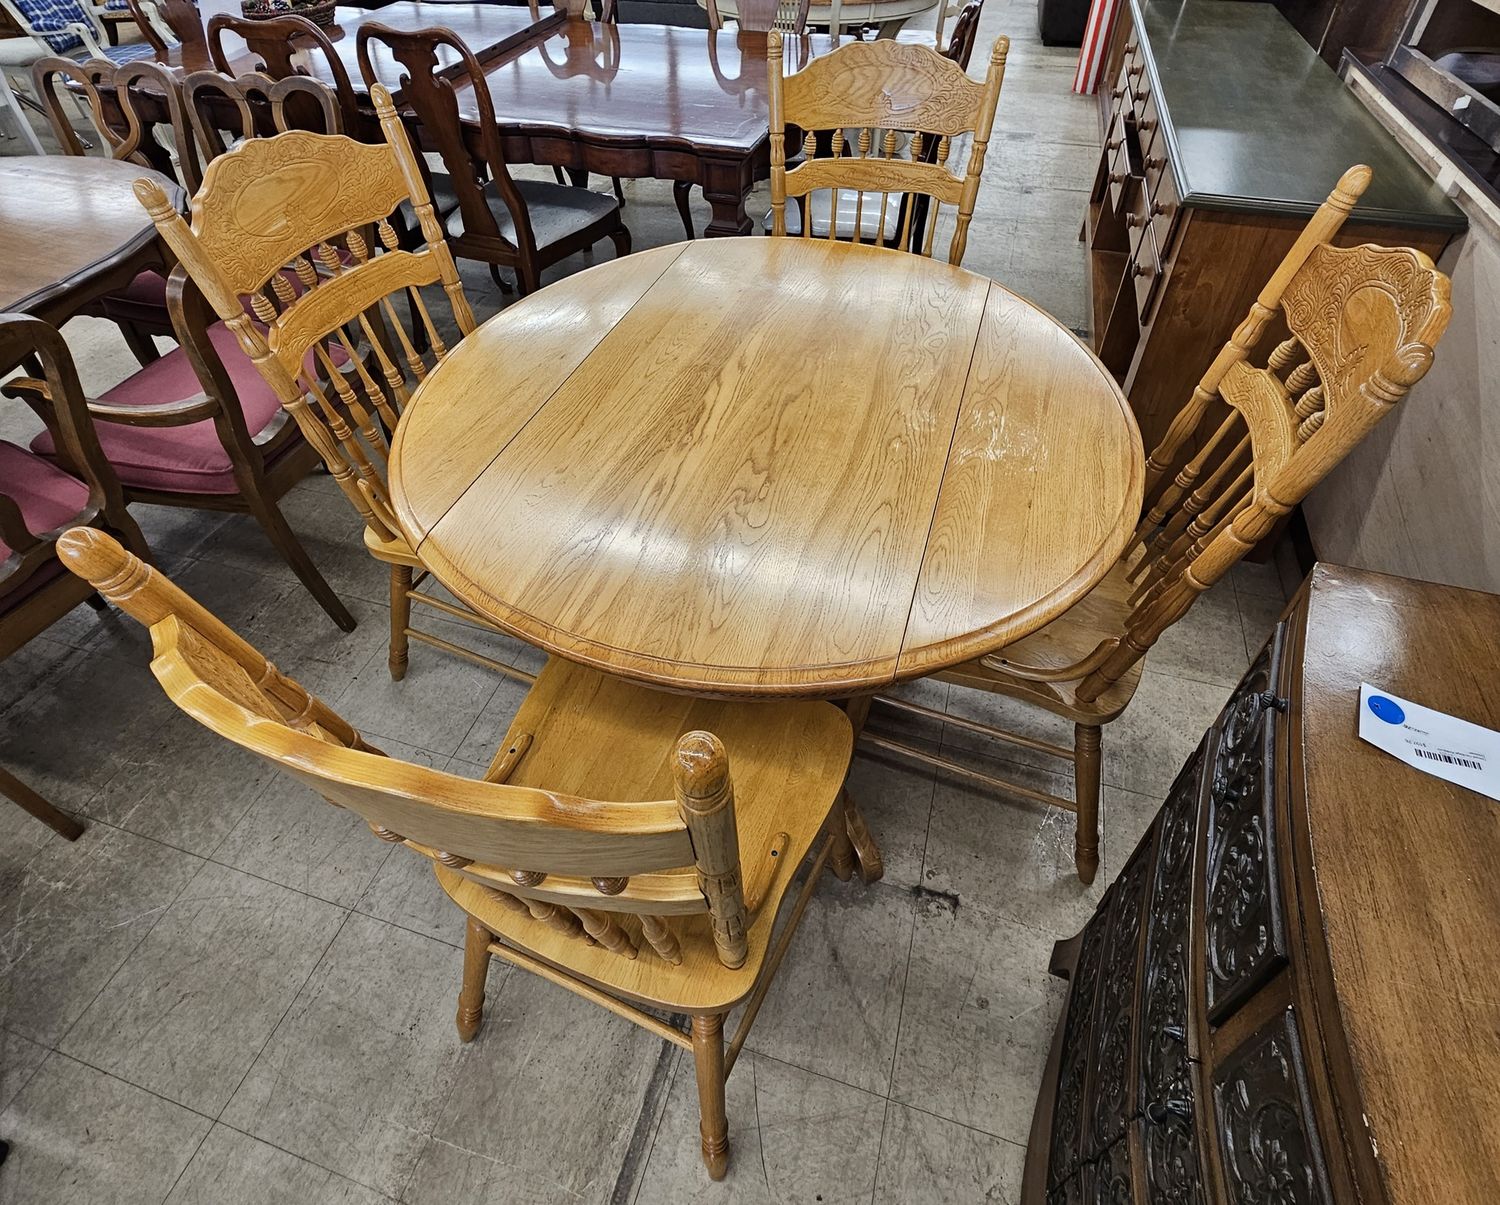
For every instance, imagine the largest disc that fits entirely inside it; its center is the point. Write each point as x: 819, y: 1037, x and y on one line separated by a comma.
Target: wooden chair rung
x: 953, y: 767
x: 437, y: 642
x: 989, y: 730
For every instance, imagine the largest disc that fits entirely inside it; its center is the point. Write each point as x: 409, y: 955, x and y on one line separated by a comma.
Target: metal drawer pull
x: 1160, y: 1114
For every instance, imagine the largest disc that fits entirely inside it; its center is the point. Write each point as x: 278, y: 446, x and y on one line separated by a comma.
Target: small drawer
x: 1263, y: 1119
x: 1145, y: 264
x: 1117, y: 163
x: 1161, y: 189
x: 1147, y: 119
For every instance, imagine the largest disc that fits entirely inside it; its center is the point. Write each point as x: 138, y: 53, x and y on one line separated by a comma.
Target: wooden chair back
x: 287, y: 47
x: 762, y: 16
x: 23, y: 338
x: 960, y: 46
x: 1349, y: 330
x: 568, y: 861
x: 429, y: 61
x: 143, y: 134
x: 908, y: 105
x: 222, y: 111
x: 285, y: 244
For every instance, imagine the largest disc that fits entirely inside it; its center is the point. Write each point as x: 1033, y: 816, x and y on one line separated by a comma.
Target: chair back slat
x: 223, y: 111
x: 582, y: 866
x: 289, y: 47
x: 1335, y: 339
x: 762, y: 16
x: 111, y: 92
x: 291, y: 242
x: 907, y: 108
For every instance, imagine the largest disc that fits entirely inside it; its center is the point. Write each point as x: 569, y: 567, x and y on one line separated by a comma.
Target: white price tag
x: 1443, y: 745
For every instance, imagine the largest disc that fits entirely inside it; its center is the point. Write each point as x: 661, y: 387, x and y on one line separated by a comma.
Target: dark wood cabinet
x: 1243, y: 1026
x: 1222, y: 132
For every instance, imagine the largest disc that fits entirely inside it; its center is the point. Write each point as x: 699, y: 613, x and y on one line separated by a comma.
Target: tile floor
x: 228, y: 992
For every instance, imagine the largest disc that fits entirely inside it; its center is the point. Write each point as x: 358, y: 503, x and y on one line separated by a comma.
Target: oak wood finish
x: 313, y: 277
x: 1340, y: 335
x: 882, y: 90
x: 34, y: 594
x: 70, y: 232
x: 1301, y: 981
x: 853, y: 467
x: 621, y: 805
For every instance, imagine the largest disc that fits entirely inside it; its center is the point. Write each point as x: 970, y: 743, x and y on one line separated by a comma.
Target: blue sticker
x: 1387, y: 710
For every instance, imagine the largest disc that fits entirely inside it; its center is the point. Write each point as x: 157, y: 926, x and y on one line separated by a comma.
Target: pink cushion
x: 148, y: 288
x: 47, y: 497
x: 187, y: 459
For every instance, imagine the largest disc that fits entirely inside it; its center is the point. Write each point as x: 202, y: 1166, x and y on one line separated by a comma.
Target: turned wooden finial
x: 705, y: 798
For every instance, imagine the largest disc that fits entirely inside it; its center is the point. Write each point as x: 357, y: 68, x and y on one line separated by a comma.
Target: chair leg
x: 269, y: 516
x: 708, y: 1061
x: 621, y: 239
x: 476, y: 969
x: 619, y: 192
x: 841, y: 859
x: 400, y: 619
x: 19, y: 793
x: 500, y: 282
x: 681, y: 193
x: 142, y: 346
x: 1086, y: 794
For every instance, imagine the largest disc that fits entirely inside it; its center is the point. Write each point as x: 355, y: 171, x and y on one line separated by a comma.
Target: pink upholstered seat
x: 187, y: 459
x: 47, y: 497
x: 148, y: 288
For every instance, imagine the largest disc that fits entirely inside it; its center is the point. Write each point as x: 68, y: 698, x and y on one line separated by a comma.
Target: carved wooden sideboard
x: 1222, y: 132
x: 1289, y: 995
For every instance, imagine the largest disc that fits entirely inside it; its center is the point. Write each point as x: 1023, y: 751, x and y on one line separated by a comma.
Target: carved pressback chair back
x: 285, y: 243
x: 428, y: 60
x: 908, y: 107
x: 1273, y: 416
x: 286, y: 47
x: 143, y: 133
x: 576, y: 864
x: 762, y: 16
x: 223, y: 112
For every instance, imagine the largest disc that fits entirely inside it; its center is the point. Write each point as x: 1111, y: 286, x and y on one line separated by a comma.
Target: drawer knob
x: 1118, y: 177
x: 1134, y: 219
x: 1156, y: 209
x: 1117, y: 93
x: 1160, y: 1113
x: 1132, y: 46
x: 1270, y: 702
x: 1133, y: 72
x: 1145, y: 270
x: 1156, y: 163
x: 1112, y: 145
x: 1145, y: 127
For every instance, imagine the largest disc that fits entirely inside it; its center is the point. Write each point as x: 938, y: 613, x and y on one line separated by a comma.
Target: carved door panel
x: 1113, y: 1179
x: 1264, y: 1120
x: 1246, y: 930
x: 1072, y: 1077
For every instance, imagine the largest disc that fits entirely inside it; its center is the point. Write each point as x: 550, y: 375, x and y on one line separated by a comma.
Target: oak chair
x: 306, y: 288
x: 631, y: 846
x: 908, y: 105
x: 140, y: 133
x: 38, y: 500
x: 1332, y: 343
x: 523, y: 225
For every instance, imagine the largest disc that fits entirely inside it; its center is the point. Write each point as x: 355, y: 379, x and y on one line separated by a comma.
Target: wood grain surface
x: 769, y: 467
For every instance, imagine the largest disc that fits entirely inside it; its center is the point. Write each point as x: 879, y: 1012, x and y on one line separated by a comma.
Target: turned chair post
x: 705, y: 796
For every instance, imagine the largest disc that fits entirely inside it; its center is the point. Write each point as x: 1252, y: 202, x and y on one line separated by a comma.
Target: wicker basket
x: 319, y: 13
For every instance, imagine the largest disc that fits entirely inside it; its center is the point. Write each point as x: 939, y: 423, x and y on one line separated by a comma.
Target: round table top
x: 853, y: 12
x: 65, y: 219
x: 767, y: 466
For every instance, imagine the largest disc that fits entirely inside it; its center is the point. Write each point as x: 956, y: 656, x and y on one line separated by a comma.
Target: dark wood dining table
x: 71, y: 231
x: 635, y: 101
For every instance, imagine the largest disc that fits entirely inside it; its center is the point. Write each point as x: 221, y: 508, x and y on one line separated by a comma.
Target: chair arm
x: 1067, y: 673
x: 35, y: 394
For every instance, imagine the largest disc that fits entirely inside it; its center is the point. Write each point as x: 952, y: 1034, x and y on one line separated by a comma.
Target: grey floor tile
x: 77, y: 911
x: 978, y: 1019
x: 1012, y: 715
x: 1146, y: 746
x: 405, y: 892
x: 231, y: 1168
x: 836, y: 1001
x: 1007, y: 855
x: 555, y: 1088
x: 434, y: 706
x: 926, y: 1159
x: 356, y: 1073
x: 1262, y: 578
x: 197, y: 999
x: 793, y: 1136
x: 895, y: 798
x: 19, y: 1059
x: 1201, y: 645
x: 1126, y: 817
x: 78, y: 1135
x: 1259, y: 614
x: 185, y: 785
x: 483, y: 737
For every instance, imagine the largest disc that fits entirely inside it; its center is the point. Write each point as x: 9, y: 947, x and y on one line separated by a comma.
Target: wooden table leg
x: 726, y: 185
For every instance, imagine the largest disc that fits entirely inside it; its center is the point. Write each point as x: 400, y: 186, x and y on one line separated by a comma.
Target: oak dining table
x: 761, y: 467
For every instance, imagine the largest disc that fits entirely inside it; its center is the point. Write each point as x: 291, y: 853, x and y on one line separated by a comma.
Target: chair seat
x: 128, y: 52
x: 556, y: 211
x: 47, y: 497
x: 1098, y: 615
x: 600, y: 737
x: 190, y: 458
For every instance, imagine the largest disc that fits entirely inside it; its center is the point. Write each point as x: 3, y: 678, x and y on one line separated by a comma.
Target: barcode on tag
x: 1449, y: 758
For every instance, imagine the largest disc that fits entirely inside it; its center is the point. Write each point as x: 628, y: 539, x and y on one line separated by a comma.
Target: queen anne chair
x: 291, y: 243
x: 523, y: 225
x: 1335, y: 339
x: 908, y: 107
x: 38, y: 500
x: 631, y: 846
